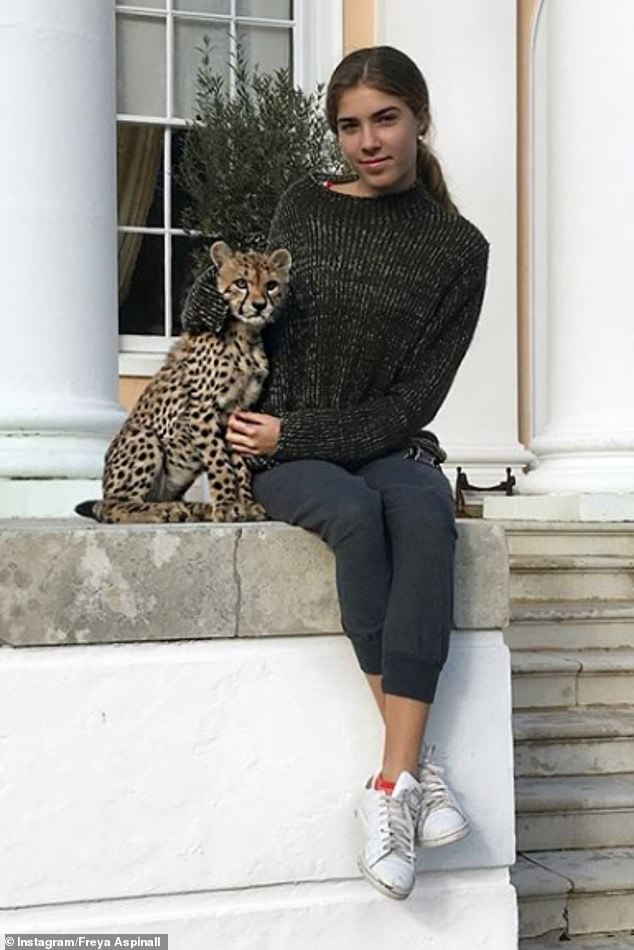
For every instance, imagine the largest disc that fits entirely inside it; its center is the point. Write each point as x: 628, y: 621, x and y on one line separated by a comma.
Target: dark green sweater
x: 384, y: 298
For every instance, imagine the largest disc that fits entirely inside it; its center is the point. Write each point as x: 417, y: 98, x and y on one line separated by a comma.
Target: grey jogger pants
x: 390, y: 524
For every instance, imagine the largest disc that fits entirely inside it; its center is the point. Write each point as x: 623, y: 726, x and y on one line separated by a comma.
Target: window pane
x: 140, y: 175
x: 276, y: 9
x: 203, y: 6
x: 269, y: 49
x: 188, y: 40
x: 140, y: 65
x: 142, y: 301
x: 180, y: 197
x: 156, y: 4
x: 184, y: 249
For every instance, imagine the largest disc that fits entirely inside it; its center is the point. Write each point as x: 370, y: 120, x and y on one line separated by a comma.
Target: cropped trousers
x: 391, y: 527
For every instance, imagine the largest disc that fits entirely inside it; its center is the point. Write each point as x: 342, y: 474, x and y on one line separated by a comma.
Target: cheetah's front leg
x: 253, y: 510
x: 223, y: 489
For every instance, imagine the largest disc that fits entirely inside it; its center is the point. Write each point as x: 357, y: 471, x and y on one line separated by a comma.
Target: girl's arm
x: 205, y: 308
x: 389, y: 421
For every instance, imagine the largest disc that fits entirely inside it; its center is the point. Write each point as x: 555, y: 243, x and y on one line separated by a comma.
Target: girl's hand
x: 253, y: 433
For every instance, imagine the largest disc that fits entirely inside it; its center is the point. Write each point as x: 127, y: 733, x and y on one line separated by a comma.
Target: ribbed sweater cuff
x: 282, y: 442
x: 293, y: 443
x: 408, y: 676
x: 403, y: 675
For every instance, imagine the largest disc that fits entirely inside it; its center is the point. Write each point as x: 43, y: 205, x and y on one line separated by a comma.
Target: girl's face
x: 377, y: 133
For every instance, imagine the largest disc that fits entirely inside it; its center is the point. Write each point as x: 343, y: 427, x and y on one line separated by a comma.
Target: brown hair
x: 391, y: 71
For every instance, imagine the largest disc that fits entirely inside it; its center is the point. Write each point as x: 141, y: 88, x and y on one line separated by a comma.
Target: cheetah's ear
x: 280, y: 259
x: 219, y: 252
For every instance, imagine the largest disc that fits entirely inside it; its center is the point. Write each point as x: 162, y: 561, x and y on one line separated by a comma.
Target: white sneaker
x: 387, y: 860
x: 441, y: 820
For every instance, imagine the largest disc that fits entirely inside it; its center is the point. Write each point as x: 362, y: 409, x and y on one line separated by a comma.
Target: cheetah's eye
x: 241, y: 283
x: 272, y: 285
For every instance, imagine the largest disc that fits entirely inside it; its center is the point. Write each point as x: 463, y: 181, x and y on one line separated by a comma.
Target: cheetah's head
x: 251, y: 283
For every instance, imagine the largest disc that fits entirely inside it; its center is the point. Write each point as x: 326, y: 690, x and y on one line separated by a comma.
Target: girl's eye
x: 272, y: 285
x: 241, y: 283
x: 386, y: 119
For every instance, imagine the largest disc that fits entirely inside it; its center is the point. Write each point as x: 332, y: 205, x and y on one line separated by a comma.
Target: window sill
x: 141, y: 364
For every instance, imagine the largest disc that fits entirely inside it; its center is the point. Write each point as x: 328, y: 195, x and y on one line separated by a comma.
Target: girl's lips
x: 374, y: 161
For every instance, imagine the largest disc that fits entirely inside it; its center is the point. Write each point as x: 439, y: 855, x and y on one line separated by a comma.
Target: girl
x: 386, y: 288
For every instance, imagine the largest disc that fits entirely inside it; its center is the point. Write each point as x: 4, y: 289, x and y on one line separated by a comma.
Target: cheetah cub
x: 177, y: 429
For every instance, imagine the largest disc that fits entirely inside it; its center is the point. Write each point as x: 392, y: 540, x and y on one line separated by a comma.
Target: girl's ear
x: 423, y: 121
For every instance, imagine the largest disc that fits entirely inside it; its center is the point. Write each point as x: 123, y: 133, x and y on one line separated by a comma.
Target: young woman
x: 386, y: 288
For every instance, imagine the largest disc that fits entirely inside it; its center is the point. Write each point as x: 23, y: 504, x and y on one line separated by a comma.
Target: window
x: 157, y: 58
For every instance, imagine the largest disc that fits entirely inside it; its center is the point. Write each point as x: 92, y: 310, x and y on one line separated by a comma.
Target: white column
x: 584, y: 240
x: 467, y: 52
x: 58, y: 369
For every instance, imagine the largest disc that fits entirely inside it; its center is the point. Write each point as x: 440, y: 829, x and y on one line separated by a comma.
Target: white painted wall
x: 467, y: 53
x: 166, y: 778
x: 336, y: 915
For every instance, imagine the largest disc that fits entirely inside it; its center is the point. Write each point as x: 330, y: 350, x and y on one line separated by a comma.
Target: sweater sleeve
x: 205, y: 308
x: 281, y: 228
x: 387, y: 422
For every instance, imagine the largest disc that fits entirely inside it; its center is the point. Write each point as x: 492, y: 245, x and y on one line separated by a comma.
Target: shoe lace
x: 396, y: 825
x: 435, y: 791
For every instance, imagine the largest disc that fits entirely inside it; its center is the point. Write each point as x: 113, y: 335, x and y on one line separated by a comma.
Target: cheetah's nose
x: 259, y: 305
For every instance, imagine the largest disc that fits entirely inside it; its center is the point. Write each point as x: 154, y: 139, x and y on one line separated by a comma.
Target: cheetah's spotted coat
x: 177, y: 429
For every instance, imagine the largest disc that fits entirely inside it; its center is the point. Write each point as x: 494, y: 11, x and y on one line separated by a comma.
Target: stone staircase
x: 572, y: 642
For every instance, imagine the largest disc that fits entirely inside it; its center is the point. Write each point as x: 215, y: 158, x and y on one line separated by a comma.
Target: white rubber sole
x: 385, y: 889
x: 457, y: 835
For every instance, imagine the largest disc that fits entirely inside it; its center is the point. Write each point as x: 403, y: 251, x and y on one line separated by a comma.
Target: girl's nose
x: 369, y: 138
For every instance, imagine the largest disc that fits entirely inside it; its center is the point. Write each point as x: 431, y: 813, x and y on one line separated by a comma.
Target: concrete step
x: 575, y: 811
x: 571, y: 625
x: 557, y: 538
x: 574, y: 741
x: 575, y: 892
x: 613, y: 941
x: 549, y: 678
x: 595, y: 577
x: 542, y: 895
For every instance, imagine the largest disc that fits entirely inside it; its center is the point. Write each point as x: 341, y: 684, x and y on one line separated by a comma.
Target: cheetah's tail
x: 86, y: 509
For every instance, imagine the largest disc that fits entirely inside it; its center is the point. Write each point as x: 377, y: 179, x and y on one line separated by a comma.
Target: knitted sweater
x: 384, y: 299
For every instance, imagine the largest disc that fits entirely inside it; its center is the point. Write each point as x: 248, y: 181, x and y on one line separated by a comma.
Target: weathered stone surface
x: 586, y: 829
x: 287, y: 582
x: 481, y: 599
x: 542, y: 897
x: 600, y: 892
x: 65, y: 581
x: 553, y: 941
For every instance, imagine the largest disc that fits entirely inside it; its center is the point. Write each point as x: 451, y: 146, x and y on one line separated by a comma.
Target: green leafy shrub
x: 245, y: 149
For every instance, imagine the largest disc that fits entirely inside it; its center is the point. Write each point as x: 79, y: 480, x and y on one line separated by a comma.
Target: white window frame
x: 317, y: 38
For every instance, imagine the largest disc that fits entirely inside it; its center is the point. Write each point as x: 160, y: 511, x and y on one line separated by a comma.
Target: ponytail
x: 430, y: 173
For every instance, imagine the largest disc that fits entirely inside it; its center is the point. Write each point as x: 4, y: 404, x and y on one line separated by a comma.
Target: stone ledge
x: 443, y: 913
x: 68, y: 582
x: 570, y: 507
